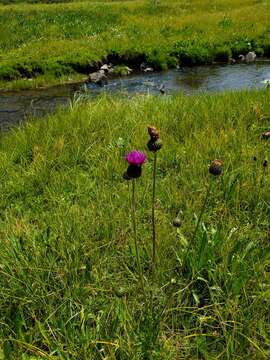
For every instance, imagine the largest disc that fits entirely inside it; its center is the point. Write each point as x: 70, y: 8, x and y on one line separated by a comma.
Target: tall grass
x: 68, y: 269
x: 54, y: 40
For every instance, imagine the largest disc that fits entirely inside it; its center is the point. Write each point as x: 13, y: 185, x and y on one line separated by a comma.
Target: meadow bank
x: 58, y: 42
x: 69, y: 280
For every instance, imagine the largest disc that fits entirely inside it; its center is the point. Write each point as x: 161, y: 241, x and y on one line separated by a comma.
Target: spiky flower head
x: 215, y: 167
x: 153, y: 132
x: 154, y: 145
x: 136, y: 158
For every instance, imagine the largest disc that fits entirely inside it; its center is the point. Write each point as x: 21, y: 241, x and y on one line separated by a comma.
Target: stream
x: 17, y: 106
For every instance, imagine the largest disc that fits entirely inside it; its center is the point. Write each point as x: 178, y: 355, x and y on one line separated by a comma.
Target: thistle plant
x: 135, y: 160
x: 215, y: 169
x: 154, y: 144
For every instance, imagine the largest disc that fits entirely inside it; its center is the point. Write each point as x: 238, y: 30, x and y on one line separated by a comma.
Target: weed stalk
x: 153, y: 214
x: 202, y: 210
x: 133, y: 215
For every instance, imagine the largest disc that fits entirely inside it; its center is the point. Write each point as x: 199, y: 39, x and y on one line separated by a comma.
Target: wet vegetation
x: 70, y: 284
x: 49, y: 41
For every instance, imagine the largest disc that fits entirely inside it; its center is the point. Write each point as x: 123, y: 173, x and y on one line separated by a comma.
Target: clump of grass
x: 121, y: 70
x: 223, y: 54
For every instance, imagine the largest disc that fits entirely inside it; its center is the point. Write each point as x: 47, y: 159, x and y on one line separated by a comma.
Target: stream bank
x: 16, y: 106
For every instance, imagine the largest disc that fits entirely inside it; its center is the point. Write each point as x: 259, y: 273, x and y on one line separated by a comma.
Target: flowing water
x: 16, y: 106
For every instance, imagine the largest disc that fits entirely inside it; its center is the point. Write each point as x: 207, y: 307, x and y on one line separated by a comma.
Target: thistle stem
x: 153, y: 213
x: 133, y: 208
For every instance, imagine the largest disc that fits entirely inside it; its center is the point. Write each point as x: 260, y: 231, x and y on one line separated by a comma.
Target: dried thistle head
x: 153, y: 132
x: 215, y: 167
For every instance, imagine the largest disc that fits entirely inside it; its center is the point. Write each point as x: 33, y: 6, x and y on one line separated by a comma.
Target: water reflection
x: 16, y: 106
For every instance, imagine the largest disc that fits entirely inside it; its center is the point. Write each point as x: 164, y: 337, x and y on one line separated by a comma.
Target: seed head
x: 265, y: 163
x: 215, y: 167
x: 153, y: 132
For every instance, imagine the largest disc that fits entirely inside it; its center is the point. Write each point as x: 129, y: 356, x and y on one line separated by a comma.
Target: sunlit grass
x: 59, y: 39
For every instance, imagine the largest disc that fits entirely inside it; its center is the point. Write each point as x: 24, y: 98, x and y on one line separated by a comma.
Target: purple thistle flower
x: 136, y: 158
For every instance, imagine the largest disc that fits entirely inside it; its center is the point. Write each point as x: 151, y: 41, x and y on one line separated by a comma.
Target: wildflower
x: 135, y: 159
x: 215, y: 167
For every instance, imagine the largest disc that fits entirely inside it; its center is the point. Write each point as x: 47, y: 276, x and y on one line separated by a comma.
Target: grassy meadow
x: 71, y: 284
x: 69, y: 279
x: 56, y: 41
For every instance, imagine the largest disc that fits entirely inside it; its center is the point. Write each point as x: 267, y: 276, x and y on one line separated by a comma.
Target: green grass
x: 52, y: 40
x: 69, y: 281
x: 41, y: 81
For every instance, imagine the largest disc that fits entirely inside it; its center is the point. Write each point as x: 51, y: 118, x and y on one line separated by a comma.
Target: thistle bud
x: 154, y: 145
x: 266, y: 135
x: 215, y: 167
x: 153, y: 132
x: 177, y: 222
